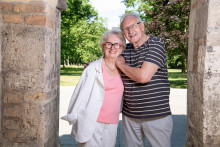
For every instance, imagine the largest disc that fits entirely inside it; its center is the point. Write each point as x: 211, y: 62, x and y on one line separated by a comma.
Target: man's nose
x: 130, y: 29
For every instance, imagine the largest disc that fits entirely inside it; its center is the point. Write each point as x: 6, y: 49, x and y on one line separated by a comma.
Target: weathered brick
x: 11, y: 144
x: 11, y: 135
x: 50, y: 23
x: 14, y: 111
x: 13, y: 18
x: 11, y: 124
x: 29, y: 8
x: 36, y: 20
x: 12, y: 98
x: 50, y: 11
x: 6, y: 6
x: 34, y: 96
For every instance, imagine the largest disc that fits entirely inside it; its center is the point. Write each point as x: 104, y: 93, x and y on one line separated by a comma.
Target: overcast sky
x: 109, y: 9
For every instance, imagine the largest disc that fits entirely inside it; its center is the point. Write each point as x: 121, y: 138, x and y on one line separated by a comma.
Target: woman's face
x: 112, y: 47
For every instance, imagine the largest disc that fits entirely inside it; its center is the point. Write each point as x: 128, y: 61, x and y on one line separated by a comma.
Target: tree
x: 168, y: 20
x: 81, y: 29
x: 85, y: 38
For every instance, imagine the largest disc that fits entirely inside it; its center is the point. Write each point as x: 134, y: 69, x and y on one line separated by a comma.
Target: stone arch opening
x: 29, y: 73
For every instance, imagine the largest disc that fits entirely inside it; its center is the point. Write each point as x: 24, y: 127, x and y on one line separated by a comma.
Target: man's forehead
x: 130, y: 17
x: 129, y: 20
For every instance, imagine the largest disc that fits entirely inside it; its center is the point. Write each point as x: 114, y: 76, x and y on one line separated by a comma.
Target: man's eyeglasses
x: 116, y: 45
x: 133, y: 26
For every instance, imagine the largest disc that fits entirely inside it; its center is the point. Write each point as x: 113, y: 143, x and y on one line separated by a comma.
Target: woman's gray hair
x: 129, y: 14
x: 117, y: 33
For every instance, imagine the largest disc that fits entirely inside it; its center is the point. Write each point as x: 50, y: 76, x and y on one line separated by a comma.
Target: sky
x: 110, y: 10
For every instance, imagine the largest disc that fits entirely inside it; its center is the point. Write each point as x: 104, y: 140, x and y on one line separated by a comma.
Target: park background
x: 82, y: 27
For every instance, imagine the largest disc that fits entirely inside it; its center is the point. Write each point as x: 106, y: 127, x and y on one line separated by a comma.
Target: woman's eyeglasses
x: 116, y: 45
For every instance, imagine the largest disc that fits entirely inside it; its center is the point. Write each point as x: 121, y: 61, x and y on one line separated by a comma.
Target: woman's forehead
x: 112, y: 37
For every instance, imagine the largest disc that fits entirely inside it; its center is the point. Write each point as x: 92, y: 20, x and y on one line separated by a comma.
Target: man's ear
x: 142, y: 26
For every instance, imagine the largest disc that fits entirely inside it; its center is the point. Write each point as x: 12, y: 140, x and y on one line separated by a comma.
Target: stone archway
x: 30, y: 65
x: 30, y: 62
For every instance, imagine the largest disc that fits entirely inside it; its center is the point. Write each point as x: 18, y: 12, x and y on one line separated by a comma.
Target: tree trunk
x: 68, y: 61
x: 63, y: 63
x: 183, y: 65
x: 63, y: 66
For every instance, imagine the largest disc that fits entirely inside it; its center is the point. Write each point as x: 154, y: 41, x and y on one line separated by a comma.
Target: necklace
x: 108, y: 66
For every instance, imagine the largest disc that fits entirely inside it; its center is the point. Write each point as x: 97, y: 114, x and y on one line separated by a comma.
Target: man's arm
x: 141, y: 75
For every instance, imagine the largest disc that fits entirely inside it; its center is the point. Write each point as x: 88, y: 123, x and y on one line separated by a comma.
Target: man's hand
x: 141, y: 74
x: 120, y: 61
x: 87, y: 64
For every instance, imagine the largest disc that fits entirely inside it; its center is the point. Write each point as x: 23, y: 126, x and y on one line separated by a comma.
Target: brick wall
x: 36, y: 13
x: 30, y: 55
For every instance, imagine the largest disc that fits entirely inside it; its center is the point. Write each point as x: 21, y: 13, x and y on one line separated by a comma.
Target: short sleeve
x: 156, y: 53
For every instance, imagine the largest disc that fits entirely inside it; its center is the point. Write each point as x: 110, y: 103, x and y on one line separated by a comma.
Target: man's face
x: 133, y: 29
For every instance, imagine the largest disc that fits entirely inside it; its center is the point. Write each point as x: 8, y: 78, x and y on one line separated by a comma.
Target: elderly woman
x: 95, y: 104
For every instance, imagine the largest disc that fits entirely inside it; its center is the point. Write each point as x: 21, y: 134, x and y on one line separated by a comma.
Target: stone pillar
x: 30, y: 70
x: 203, y: 97
x: 1, y: 23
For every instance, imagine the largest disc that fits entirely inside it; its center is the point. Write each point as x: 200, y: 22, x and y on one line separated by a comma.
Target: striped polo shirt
x: 151, y: 99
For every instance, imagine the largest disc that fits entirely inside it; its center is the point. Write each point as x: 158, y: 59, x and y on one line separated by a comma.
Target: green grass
x: 177, y: 79
x: 71, y: 75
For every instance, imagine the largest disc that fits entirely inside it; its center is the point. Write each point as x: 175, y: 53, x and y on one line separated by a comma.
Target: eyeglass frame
x: 113, y: 45
x: 131, y: 26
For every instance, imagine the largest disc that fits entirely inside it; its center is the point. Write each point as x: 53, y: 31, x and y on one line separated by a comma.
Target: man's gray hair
x: 129, y: 14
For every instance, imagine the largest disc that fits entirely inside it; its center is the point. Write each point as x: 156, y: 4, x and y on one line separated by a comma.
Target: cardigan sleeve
x: 81, y: 92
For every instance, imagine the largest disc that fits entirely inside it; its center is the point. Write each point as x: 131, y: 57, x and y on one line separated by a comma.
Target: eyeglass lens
x: 133, y: 26
x: 109, y: 45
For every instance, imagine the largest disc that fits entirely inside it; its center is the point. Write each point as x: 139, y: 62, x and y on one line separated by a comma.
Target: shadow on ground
x: 178, y: 135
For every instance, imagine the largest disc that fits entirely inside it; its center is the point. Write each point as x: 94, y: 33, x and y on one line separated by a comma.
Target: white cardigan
x: 86, y: 102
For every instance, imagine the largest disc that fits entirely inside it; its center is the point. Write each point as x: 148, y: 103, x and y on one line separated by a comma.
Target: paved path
x: 178, y: 108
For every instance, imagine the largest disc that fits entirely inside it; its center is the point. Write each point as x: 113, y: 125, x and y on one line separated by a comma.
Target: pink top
x: 114, y: 89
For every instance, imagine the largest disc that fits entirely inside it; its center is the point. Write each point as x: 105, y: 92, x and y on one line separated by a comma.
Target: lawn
x: 177, y: 79
x: 71, y: 75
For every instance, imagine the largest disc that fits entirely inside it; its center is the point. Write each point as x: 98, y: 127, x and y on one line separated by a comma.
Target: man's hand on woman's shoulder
x: 86, y: 64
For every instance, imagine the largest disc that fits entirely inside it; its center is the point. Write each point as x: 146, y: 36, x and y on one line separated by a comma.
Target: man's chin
x: 133, y: 40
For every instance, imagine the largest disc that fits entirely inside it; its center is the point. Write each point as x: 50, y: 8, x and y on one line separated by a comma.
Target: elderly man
x: 146, y: 110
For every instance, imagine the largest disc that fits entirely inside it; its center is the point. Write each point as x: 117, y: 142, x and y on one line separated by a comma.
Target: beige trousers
x: 157, y: 131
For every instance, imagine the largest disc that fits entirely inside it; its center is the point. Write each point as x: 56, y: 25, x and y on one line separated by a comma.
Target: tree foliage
x: 168, y: 20
x: 81, y: 29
